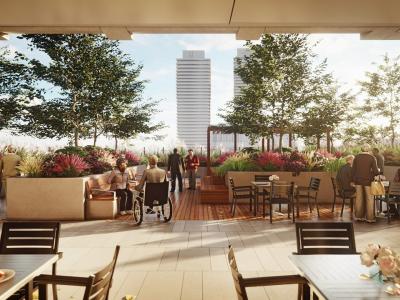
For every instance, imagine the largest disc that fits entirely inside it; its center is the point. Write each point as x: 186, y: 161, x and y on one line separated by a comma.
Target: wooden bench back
x: 325, y: 238
x: 237, y: 277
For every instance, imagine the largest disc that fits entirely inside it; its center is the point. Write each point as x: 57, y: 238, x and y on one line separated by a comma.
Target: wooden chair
x: 256, y: 192
x: 97, y: 286
x: 242, y: 283
x: 240, y: 192
x: 338, y: 192
x: 30, y: 238
x: 272, y: 196
x: 392, y: 198
x: 308, y: 192
x: 325, y: 238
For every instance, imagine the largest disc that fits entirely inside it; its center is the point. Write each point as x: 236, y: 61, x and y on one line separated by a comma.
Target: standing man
x: 192, y: 163
x: 364, y: 170
x: 8, y: 168
x: 176, y: 167
x: 119, y: 178
x: 380, y: 160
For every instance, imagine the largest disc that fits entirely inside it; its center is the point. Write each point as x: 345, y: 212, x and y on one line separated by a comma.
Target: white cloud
x: 221, y: 42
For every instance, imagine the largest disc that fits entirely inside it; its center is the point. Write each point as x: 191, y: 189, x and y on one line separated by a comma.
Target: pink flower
x: 372, y: 250
x: 387, y: 264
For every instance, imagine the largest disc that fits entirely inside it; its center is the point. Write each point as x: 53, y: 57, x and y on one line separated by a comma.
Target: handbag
x: 377, y: 188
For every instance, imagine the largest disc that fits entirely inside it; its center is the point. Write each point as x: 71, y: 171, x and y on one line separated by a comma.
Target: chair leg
x: 316, y: 204
x: 309, y: 204
x: 297, y: 206
x: 233, y: 207
x: 54, y: 271
x: 264, y: 206
x: 388, y: 211
x: 288, y: 210
x: 270, y: 212
x: 280, y: 207
x: 334, y: 202
x: 341, y: 212
x: 251, y: 202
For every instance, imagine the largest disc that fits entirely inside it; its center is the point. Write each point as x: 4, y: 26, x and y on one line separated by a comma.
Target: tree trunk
x: 76, y: 137
x: 280, y: 141
x: 116, y: 143
x: 263, y: 144
x: 393, y: 137
x: 95, y: 136
x: 273, y: 143
x: 318, y: 143
x: 290, y: 139
x: 268, y: 144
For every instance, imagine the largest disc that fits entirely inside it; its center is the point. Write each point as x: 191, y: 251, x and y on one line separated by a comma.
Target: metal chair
x: 308, y: 192
x: 30, y: 238
x: 240, y: 192
x: 338, y: 192
x: 242, y: 283
x: 272, y: 196
x: 392, y: 199
x: 325, y: 238
x: 97, y: 286
x: 256, y: 192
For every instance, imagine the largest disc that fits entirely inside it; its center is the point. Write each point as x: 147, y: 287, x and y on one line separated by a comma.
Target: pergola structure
x: 248, y: 19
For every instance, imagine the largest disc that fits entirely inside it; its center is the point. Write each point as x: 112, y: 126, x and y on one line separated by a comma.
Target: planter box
x: 325, y: 194
x: 46, y: 198
x: 101, y: 209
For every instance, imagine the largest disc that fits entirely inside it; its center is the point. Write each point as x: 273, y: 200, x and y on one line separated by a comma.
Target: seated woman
x: 344, y: 177
x: 119, y: 180
x: 153, y: 175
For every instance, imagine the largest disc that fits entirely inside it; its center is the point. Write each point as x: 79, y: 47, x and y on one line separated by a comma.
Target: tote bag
x: 377, y: 188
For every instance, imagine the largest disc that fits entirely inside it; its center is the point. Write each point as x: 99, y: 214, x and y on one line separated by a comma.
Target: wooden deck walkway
x: 187, y: 206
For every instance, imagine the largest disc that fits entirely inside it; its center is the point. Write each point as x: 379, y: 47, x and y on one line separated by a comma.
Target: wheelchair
x: 155, y: 194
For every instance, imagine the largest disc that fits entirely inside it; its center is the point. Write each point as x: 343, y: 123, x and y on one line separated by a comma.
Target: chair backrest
x: 156, y: 193
x: 231, y: 182
x: 30, y: 238
x: 325, y: 238
x: 314, y: 183
x: 237, y: 277
x: 282, y: 187
x: 336, y: 186
x: 394, y: 188
x: 99, y: 284
x: 261, y: 178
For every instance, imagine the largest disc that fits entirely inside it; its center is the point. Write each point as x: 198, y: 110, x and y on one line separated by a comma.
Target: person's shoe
x: 129, y: 212
x: 122, y: 212
x: 149, y: 211
x: 359, y: 219
x: 370, y: 221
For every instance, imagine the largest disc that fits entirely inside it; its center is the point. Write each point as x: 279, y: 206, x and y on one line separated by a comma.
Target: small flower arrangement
x: 385, y: 264
x: 273, y: 178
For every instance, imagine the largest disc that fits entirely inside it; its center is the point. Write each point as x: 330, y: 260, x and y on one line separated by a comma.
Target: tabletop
x: 26, y: 268
x: 337, y: 277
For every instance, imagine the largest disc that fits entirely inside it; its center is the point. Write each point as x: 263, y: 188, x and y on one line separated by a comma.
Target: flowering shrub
x: 99, y: 160
x: 65, y: 165
x: 132, y: 158
x: 223, y: 157
x: 270, y: 161
x: 294, y: 162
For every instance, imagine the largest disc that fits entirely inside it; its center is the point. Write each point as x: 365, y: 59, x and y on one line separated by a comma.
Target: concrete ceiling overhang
x: 248, y: 19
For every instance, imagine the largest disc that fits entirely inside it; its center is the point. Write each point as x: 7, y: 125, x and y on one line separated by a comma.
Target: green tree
x: 276, y: 74
x: 382, y: 91
x: 328, y: 107
x: 94, y: 82
x: 16, y: 87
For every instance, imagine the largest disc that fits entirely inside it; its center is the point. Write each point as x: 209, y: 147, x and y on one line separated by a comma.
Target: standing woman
x: 192, y: 163
x: 363, y: 172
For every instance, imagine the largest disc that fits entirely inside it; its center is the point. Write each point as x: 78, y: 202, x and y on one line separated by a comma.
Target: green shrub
x: 237, y: 162
x: 333, y: 165
x: 32, y: 165
x: 73, y: 150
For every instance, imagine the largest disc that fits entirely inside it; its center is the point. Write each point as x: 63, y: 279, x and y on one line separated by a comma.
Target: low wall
x: 325, y: 194
x: 45, y: 198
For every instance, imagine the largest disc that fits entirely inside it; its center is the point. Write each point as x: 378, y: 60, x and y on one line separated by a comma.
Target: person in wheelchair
x: 152, y: 175
x: 119, y: 180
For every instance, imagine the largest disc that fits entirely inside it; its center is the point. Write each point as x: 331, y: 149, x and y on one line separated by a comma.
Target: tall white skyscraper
x: 193, y: 93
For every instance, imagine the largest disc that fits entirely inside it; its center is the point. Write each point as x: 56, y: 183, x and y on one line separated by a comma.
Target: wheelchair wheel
x: 166, y: 210
x: 138, y: 211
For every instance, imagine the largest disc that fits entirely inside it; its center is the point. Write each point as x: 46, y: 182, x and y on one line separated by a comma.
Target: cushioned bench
x: 101, y: 203
x: 213, y: 190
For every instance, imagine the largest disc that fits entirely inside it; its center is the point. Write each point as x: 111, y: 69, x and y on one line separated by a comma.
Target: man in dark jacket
x: 364, y: 170
x: 344, y: 177
x: 380, y: 160
x: 176, y: 167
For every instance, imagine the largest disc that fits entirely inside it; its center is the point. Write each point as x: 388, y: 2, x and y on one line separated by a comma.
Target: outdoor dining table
x: 337, y: 277
x: 264, y: 184
x: 26, y: 267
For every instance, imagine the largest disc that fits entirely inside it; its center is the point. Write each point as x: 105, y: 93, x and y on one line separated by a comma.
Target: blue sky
x: 348, y: 59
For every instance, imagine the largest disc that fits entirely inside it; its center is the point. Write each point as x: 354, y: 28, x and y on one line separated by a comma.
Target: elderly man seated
x: 153, y: 175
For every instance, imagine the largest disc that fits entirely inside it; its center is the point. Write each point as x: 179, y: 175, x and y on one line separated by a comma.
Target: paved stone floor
x: 187, y: 259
